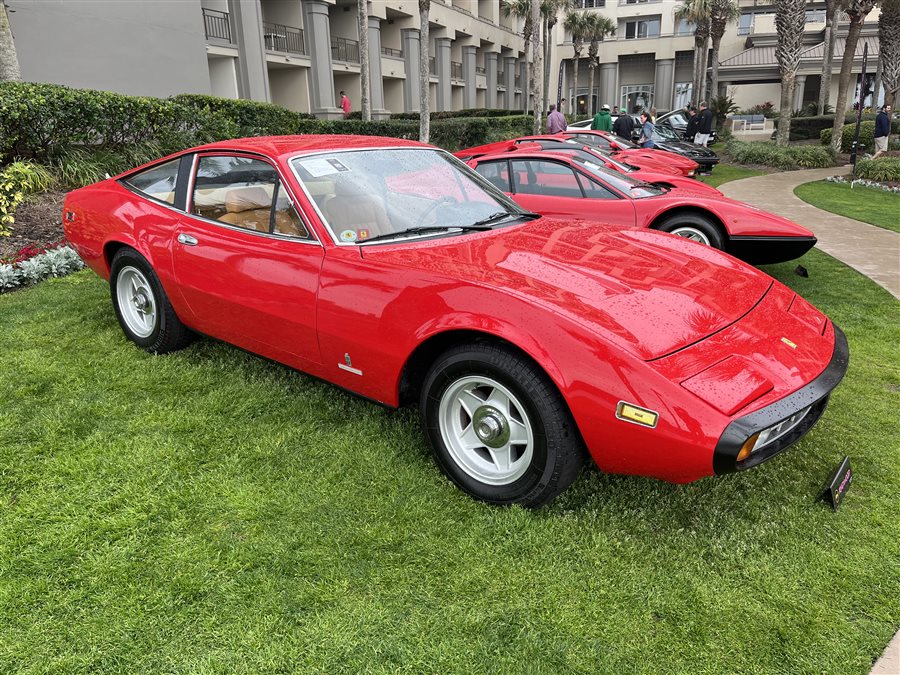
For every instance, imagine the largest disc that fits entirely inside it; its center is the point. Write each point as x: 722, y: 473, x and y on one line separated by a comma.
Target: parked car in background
x: 665, y: 141
x: 632, y: 153
x: 573, y: 186
x: 390, y: 269
x: 677, y: 121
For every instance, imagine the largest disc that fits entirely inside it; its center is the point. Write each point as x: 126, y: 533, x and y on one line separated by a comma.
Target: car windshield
x: 661, y: 133
x: 631, y: 187
x: 374, y: 194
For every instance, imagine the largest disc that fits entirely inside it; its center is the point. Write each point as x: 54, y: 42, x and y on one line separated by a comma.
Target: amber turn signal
x: 747, y: 448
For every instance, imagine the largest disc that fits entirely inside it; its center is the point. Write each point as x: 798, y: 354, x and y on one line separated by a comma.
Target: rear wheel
x: 695, y: 227
x: 142, y: 307
x: 498, y: 427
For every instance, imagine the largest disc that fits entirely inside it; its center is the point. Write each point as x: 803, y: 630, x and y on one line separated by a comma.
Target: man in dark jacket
x: 693, y: 120
x: 882, y: 130
x: 623, y: 126
x: 704, y: 126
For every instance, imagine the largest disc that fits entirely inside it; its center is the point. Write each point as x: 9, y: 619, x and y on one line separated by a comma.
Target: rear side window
x: 551, y: 179
x: 157, y: 182
x: 496, y: 172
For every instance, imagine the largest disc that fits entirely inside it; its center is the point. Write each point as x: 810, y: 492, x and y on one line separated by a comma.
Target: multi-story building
x: 297, y: 53
x: 649, y: 61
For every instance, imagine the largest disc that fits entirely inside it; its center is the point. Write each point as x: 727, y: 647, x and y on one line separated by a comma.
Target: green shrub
x: 866, y: 135
x: 883, y: 168
x: 790, y: 157
x: 253, y: 118
x: 17, y: 181
x: 468, y: 112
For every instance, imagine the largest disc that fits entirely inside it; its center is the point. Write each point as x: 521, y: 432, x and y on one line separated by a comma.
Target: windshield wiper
x: 493, y: 218
x: 423, y: 230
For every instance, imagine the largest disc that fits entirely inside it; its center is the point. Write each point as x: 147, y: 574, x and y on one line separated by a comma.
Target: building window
x: 815, y: 16
x: 636, y: 97
x: 684, y: 27
x: 744, y: 24
x: 642, y: 28
x: 587, y: 4
x: 683, y: 91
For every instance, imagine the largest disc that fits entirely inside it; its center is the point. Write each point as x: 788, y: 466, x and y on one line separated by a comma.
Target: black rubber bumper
x: 815, y: 394
x: 769, y: 250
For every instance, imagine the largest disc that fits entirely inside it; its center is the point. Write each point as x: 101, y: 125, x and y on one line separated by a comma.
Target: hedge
x: 253, y: 118
x: 789, y: 157
x: 866, y: 135
x: 804, y: 128
x: 467, y: 112
x: 883, y: 169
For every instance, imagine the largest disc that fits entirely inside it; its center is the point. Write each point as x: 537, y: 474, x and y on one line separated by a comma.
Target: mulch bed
x: 38, y: 221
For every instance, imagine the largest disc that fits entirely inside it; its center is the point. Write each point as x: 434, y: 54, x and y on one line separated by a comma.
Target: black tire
x: 538, y: 470
x: 694, y: 226
x: 161, y: 331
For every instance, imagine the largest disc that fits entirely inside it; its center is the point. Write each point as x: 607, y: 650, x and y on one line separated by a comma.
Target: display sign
x: 838, y: 484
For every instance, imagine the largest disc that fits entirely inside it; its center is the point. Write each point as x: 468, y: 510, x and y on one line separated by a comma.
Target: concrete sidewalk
x: 872, y: 251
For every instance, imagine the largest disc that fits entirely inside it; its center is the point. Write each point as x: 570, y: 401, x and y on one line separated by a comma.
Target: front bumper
x: 813, y: 396
x: 768, y: 250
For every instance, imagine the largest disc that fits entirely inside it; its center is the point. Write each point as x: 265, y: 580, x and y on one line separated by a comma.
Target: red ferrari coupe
x: 573, y: 186
x: 392, y: 270
x: 634, y: 154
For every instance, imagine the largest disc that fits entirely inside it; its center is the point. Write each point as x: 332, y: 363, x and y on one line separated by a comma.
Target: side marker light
x: 636, y: 414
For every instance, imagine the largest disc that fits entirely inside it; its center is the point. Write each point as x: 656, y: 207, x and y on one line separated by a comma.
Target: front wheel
x: 695, y: 227
x: 498, y: 427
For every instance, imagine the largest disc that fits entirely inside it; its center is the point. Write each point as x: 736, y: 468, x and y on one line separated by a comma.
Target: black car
x: 677, y: 121
x: 666, y: 139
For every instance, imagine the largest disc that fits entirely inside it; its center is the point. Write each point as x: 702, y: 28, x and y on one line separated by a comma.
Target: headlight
x: 760, y: 440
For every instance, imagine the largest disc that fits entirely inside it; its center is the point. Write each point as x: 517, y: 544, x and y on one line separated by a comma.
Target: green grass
x: 861, y: 203
x: 211, y: 511
x: 728, y: 172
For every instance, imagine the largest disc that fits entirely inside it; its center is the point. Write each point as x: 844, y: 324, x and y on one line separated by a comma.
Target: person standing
x: 615, y: 110
x: 693, y: 120
x: 704, y: 126
x: 345, y: 105
x: 882, y: 130
x: 646, y: 139
x: 602, y: 120
x: 653, y: 114
x: 556, y: 121
x: 623, y: 126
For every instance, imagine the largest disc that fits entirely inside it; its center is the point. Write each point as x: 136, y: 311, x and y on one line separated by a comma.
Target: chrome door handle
x: 187, y: 240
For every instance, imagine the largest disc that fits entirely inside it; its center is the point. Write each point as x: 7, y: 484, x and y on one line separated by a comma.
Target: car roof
x: 277, y: 146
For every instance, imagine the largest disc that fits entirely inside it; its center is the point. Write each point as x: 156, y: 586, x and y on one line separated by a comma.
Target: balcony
x: 456, y: 72
x: 395, y: 53
x: 217, y: 25
x: 286, y: 39
x: 345, y: 50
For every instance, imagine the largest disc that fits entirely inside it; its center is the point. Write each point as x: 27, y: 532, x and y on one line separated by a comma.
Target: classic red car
x: 635, y: 154
x: 575, y: 186
x: 390, y: 269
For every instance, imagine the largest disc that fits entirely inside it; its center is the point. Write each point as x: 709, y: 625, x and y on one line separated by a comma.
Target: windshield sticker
x: 348, y: 235
x: 322, y: 166
x: 362, y: 234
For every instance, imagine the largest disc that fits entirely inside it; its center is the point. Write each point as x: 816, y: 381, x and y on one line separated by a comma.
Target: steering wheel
x: 443, y: 201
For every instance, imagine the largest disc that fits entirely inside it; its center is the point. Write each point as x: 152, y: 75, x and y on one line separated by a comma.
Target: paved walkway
x: 871, y: 250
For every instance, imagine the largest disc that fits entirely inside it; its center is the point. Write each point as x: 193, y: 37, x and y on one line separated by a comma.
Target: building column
x: 409, y: 38
x: 442, y: 63
x: 376, y: 81
x: 252, y: 73
x: 490, y: 67
x: 608, y: 84
x: 799, y: 90
x: 318, y: 35
x: 468, y: 63
x: 723, y: 88
x: 509, y: 73
x: 524, y: 85
x: 664, y: 85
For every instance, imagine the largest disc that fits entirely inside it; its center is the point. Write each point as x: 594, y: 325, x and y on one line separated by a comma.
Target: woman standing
x: 646, y: 139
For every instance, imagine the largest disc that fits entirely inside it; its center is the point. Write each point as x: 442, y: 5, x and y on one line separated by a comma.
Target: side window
x: 496, y: 172
x: 593, y: 190
x: 157, y: 182
x: 241, y: 191
x: 540, y: 177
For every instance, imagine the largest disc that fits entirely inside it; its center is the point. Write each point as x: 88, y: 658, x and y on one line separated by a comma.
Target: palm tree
x: 831, y: 10
x: 537, y: 71
x: 550, y: 10
x: 790, y: 19
x: 521, y: 9
x: 857, y: 11
x: 577, y: 23
x: 889, y: 48
x: 424, y: 72
x: 600, y: 27
x: 362, y: 27
x: 722, y: 13
x: 9, y: 61
x: 698, y: 13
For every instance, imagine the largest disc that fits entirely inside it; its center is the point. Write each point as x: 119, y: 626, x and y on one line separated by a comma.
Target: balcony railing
x: 343, y: 49
x: 281, y: 38
x: 389, y: 51
x: 217, y: 25
x: 456, y: 70
x: 480, y: 70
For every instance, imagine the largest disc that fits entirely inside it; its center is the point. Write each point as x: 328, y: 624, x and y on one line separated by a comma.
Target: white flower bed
x: 56, y: 262
x: 864, y: 183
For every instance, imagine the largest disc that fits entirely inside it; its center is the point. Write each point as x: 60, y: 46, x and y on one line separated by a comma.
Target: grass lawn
x: 211, y: 511
x: 727, y: 172
x: 861, y: 203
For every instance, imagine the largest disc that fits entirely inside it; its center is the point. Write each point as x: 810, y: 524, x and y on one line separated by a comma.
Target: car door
x: 246, y: 263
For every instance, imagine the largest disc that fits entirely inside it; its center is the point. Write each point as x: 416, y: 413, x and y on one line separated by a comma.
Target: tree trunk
x: 840, y: 108
x: 526, y: 86
x: 704, y: 58
x: 576, y: 64
x: 830, y: 34
x: 9, y: 61
x: 362, y: 26
x: 877, y: 87
x: 537, y: 74
x: 547, y: 60
x: 788, y: 80
x: 424, y: 74
x: 590, y: 99
x: 714, y: 78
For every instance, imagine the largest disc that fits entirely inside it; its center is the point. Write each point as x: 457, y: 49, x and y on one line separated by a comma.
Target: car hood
x: 650, y: 293
x: 685, y: 148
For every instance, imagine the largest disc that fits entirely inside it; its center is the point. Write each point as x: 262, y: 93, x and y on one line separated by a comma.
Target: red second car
x: 390, y: 269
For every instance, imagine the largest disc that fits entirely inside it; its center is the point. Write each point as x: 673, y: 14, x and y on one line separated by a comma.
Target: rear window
x: 157, y: 182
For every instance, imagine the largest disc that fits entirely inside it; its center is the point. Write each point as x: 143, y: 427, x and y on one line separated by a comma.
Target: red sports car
x: 634, y: 154
x: 572, y: 186
x: 390, y: 269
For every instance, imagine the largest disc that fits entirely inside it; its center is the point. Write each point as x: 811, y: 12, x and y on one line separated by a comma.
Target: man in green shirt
x: 602, y: 120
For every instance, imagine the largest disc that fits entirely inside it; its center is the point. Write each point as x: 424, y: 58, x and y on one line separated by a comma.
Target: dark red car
x: 390, y: 269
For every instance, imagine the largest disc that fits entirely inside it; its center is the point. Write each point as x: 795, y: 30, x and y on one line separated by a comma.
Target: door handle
x: 187, y: 240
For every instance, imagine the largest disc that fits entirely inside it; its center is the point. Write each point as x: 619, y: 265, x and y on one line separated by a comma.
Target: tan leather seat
x: 352, y: 209
x: 248, y: 207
